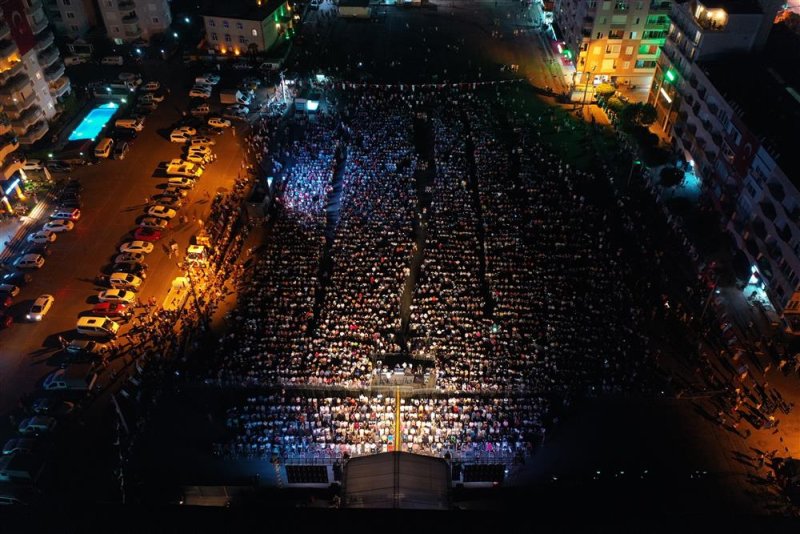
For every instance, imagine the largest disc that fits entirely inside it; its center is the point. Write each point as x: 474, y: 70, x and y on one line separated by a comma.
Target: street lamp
x: 586, y: 85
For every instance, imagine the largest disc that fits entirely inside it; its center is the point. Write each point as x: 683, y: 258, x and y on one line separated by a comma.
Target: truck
x: 234, y: 96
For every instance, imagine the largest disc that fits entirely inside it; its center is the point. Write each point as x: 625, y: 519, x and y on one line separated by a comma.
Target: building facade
x: 246, y: 27
x: 31, y: 71
x: 615, y: 41
x: 128, y: 21
x: 732, y: 119
x: 71, y: 18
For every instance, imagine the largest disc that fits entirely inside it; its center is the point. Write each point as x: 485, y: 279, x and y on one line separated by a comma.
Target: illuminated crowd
x: 518, y: 296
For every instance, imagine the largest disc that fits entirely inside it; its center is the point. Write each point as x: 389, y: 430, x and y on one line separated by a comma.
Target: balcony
x: 38, y: 23
x: 60, y: 87
x: 5, y: 31
x: 16, y: 105
x: 8, y: 144
x: 659, y: 7
x: 54, y: 72
x: 44, y: 40
x: 14, y: 69
x: 48, y: 56
x: 27, y: 119
x: 7, y: 49
x: 11, y: 167
x: 133, y: 32
x: 34, y: 133
x: 15, y: 84
x: 5, y: 126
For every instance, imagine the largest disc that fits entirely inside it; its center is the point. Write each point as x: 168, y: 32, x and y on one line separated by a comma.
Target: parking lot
x: 114, y: 197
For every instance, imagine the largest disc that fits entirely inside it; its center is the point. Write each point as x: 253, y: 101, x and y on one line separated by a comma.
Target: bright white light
x: 312, y: 105
x: 666, y: 96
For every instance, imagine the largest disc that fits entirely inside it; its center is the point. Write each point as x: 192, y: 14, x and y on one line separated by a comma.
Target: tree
x: 646, y: 115
x: 605, y: 90
x: 637, y: 115
x: 615, y: 104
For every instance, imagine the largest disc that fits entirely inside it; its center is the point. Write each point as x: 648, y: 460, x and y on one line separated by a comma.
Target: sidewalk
x: 12, y: 233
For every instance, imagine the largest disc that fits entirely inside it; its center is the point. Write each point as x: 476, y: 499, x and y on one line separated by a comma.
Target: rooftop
x: 242, y: 9
x: 733, y: 7
x: 765, y: 90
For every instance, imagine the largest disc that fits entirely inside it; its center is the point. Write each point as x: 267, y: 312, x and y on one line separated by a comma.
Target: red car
x: 111, y: 309
x: 5, y: 320
x: 147, y: 234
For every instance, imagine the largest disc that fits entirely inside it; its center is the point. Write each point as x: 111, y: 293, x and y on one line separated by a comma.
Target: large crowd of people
x: 517, y: 298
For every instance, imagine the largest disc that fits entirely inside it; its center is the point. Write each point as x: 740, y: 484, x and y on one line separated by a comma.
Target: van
x: 112, y: 60
x: 104, y: 148
x: 75, y: 377
x: 131, y: 124
x: 124, y: 281
x: 97, y: 326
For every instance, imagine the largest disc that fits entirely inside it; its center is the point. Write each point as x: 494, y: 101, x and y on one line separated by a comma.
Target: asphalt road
x: 113, y: 198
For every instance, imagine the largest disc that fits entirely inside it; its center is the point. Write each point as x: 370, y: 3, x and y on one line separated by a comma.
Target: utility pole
x: 586, y: 85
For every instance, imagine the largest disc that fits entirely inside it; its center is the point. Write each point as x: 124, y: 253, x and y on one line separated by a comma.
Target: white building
x: 134, y: 20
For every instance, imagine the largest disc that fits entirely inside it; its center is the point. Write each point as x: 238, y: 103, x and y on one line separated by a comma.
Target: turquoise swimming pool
x: 92, y: 123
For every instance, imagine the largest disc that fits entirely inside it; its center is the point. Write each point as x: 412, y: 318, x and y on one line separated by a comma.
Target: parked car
x: 29, y: 261
x: 58, y: 226
x: 168, y: 200
x: 198, y: 159
x: 117, y: 295
x: 180, y: 182
x: 111, y: 309
x: 6, y: 301
x: 216, y: 122
x: 9, y: 290
x: 179, y: 137
x: 202, y: 141
x: 37, y: 425
x: 137, y: 269
x: 58, y: 166
x: 152, y: 86
x: 121, y: 150
x: 17, y: 278
x: 52, y: 407
x: 40, y: 248
x: 71, y: 214
x: 70, y: 202
x: 137, y: 246
x: 147, y: 234
x: 87, y: 347
x: 42, y: 236
x: 179, y: 167
x: 154, y: 222
x: 40, y: 307
x: 130, y: 257
x: 161, y: 211
x: 208, y: 79
x: 202, y: 109
x: 199, y: 92
x: 173, y: 191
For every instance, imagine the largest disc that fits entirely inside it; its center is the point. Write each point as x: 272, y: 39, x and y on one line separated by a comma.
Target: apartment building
x: 128, y: 21
x: 731, y: 108
x: 613, y: 40
x: 241, y: 26
x: 71, y: 18
x: 31, y: 71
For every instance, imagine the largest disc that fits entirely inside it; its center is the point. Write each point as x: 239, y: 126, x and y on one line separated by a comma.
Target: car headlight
x: 28, y: 316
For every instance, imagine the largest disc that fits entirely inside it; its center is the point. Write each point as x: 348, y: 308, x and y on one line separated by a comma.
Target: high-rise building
x: 134, y: 20
x: 31, y: 71
x: 613, y: 40
x: 71, y: 18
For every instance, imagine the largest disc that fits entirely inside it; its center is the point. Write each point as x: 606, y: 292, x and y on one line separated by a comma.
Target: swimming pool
x: 92, y: 123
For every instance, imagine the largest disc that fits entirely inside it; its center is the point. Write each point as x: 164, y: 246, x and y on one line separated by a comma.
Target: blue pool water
x: 92, y: 123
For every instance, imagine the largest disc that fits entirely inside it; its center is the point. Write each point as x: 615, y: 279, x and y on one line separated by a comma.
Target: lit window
x: 255, y: 33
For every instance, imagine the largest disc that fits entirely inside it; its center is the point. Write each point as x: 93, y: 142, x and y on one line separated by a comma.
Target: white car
x: 179, y: 167
x: 140, y: 247
x: 202, y: 109
x: 9, y: 289
x: 175, y: 192
x: 151, y: 97
x: 188, y: 130
x: 181, y: 182
x: 40, y: 307
x: 33, y: 165
x: 152, y: 86
x: 198, y: 159
x: 154, y: 222
x: 42, y: 236
x: 238, y: 109
x: 128, y: 257
x: 117, y: 295
x: 179, y: 137
x: 59, y: 225
x: 199, y: 92
x: 216, y: 122
x: 202, y: 141
x: 205, y: 150
x: 30, y: 261
x: 162, y: 212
